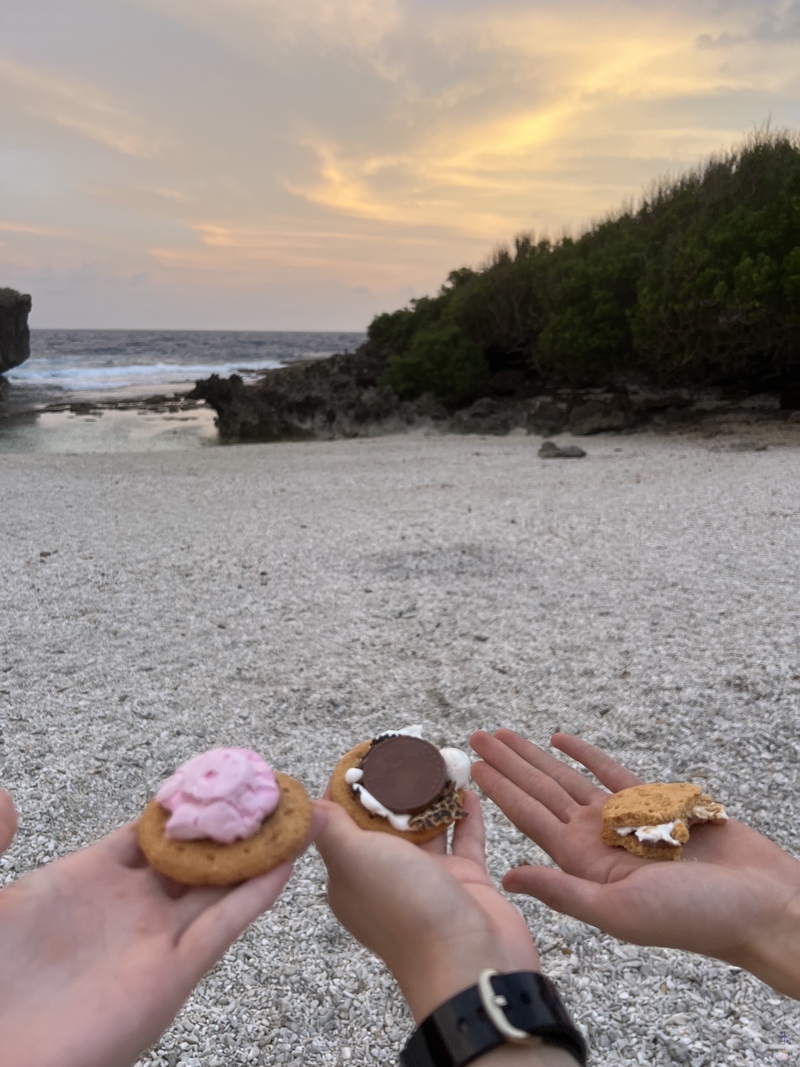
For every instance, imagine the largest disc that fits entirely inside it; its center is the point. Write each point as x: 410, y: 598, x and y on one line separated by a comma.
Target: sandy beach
x: 297, y: 598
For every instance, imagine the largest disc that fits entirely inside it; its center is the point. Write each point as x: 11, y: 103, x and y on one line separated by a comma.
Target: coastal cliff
x: 15, y: 337
x: 346, y: 396
x: 336, y: 397
x: 686, y: 307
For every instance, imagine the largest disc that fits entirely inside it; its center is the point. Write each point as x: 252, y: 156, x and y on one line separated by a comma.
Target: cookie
x: 425, y: 825
x: 207, y: 862
x: 652, y: 821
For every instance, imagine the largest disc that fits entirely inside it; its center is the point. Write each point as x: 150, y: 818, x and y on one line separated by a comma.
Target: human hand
x: 735, y: 896
x: 8, y: 820
x: 99, y: 951
x: 435, y: 919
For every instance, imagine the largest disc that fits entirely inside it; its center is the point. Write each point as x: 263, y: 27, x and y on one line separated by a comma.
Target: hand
x: 8, y: 821
x: 735, y: 896
x: 435, y: 919
x: 99, y: 951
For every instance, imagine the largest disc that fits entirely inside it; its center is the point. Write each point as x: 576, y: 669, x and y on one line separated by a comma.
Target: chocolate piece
x: 406, y: 774
x: 445, y: 809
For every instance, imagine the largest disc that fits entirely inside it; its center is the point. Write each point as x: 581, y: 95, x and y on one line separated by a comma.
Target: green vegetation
x: 700, y: 285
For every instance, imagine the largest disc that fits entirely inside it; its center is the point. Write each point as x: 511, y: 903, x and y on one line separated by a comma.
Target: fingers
x: 8, y: 820
x: 587, y: 901
x: 122, y: 847
x: 338, y: 832
x: 612, y: 774
x: 526, y: 813
x: 319, y: 818
x: 469, y: 835
x: 550, y: 780
x: 219, y: 924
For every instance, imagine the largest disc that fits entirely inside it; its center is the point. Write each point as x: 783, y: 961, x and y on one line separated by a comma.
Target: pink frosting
x: 224, y: 794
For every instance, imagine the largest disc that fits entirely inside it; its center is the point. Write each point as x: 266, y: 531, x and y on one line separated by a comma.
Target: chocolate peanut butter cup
x: 406, y: 774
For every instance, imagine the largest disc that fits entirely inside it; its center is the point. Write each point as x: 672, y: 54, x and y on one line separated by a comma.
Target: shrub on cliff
x: 700, y: 284
x: 440, y: 359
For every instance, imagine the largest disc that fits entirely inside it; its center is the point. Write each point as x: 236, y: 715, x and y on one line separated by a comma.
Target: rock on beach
x: 15, y: 339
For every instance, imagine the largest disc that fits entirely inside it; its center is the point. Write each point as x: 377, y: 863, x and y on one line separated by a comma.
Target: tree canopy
x: 699, y: 285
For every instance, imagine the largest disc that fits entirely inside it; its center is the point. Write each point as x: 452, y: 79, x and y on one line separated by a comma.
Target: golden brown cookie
x: 656, y: 804
x: 208, y: 862
x: 343, y: 794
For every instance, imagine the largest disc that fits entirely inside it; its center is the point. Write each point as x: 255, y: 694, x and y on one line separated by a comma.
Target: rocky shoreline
x: 342, y: 397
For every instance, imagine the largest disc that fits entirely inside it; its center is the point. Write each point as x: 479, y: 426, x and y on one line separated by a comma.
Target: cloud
x: 781, y: 27
x: 508, y: 159
x: 37, y: 231
x: 80, y: 107
x: 262, y: 144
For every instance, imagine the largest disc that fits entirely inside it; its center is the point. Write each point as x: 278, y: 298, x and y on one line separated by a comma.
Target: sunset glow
x: 303, y: 165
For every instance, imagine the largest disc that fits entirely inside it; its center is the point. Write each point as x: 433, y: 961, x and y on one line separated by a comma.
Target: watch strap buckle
x: 493, y: 1004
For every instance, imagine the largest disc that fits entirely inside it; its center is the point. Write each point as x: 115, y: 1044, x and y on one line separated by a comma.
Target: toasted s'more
x: 653, y: 821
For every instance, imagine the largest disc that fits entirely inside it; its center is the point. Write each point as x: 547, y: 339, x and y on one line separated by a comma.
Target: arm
x: 735, y: 896
x: 435, y: 919
x: 100, y: 952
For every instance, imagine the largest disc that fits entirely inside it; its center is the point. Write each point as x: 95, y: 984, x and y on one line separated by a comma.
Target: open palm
x: 98, y: 951
x: 733, y: 888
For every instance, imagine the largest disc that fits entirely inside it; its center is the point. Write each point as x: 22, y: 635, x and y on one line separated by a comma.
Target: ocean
x: 78, y: 389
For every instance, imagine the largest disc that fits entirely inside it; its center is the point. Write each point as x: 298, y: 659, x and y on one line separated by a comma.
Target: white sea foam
x: 76, y: 379
x: 80, y: 361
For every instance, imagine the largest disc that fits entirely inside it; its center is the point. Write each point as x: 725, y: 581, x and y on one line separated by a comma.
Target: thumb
x: 338, y: 832
x: 587, y: 901
x: 8, y: 820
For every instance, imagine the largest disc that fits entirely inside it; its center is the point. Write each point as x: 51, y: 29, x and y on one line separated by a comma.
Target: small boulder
x: 550, y: 450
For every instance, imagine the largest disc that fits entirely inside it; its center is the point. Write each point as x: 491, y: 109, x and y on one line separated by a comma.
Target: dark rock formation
x: 336, y: 397
x: 547, y: 418
x: 487, y: 415
x: 343, y: 397
x: 600, y: 416
x: 15, y: 337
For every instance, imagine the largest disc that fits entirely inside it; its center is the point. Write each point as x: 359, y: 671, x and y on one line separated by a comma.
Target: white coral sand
x: 296, y: 598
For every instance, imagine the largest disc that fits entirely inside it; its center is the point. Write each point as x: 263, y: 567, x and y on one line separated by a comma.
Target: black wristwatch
x: 522, y: 1008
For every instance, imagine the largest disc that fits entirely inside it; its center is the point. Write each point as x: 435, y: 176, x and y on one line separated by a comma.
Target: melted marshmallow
x: 702, y: 814
x: 652, y: 835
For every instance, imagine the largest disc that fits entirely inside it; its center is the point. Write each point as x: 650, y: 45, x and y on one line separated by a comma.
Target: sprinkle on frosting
x: 224, y: 794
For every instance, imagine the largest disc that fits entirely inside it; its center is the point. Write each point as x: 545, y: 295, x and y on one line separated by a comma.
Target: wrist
x: 504, y: 1020
x: 433, y: 978
x: 772, y: 948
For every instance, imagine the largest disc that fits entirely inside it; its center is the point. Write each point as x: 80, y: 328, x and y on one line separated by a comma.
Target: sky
x: 307, y: 164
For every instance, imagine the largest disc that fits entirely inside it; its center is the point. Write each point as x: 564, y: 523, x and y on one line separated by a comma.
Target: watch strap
x: 462, y: 1029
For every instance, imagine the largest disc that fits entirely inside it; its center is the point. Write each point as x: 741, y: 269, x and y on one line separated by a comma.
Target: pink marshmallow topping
x: 224, y: 794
